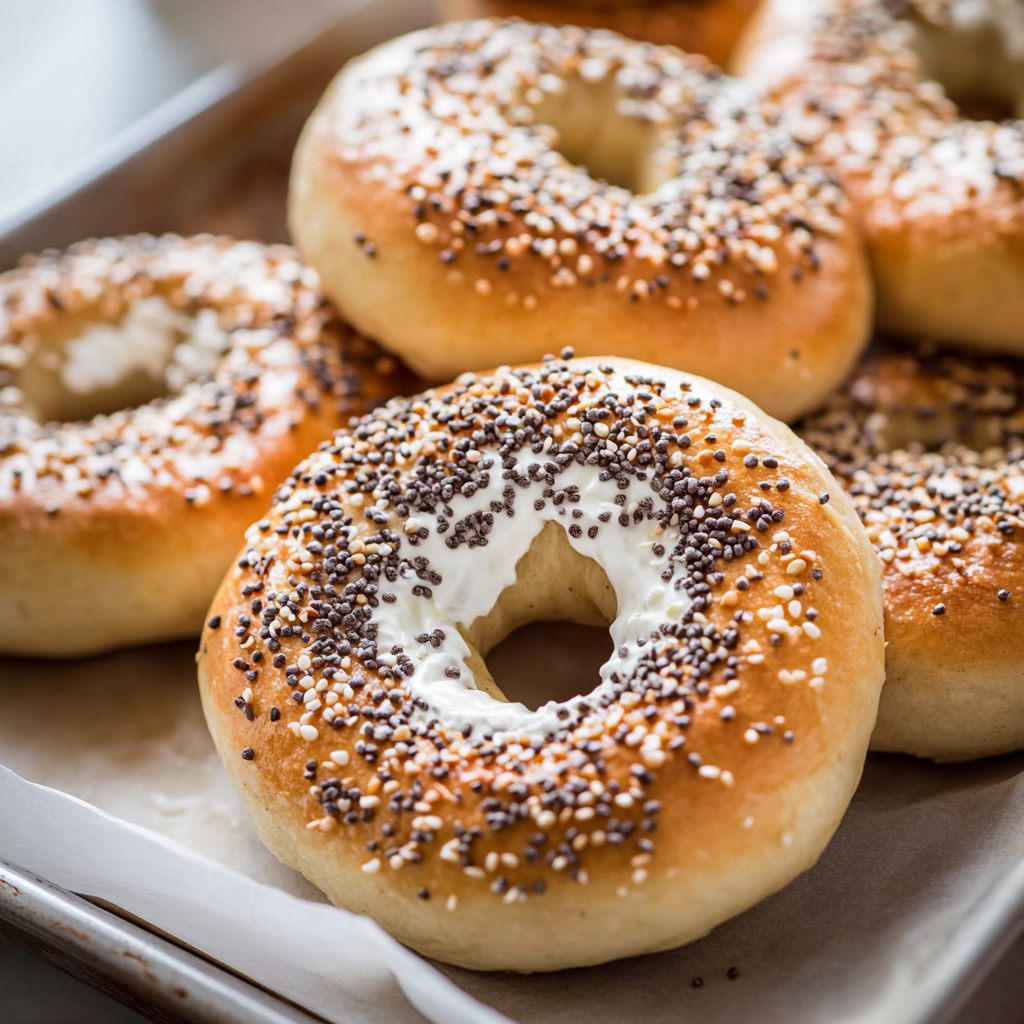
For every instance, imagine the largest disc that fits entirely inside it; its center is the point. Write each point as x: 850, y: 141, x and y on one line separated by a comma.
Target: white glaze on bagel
x: 343, y: 683
x: 477, y: 576
x: 873, y: 86
x: 930, y: 448
x: 437, y: 190
x: 140, y: 508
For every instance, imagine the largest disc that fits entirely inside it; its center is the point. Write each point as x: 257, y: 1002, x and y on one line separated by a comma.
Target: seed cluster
x: 931, y: 450
x: 863, y: 102
x: 340, y: 545
x: 459, y: 134
x: 266, y: 307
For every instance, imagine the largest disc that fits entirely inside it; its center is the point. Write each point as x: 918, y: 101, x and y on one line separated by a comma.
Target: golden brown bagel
x: 885, y: 99
x: 343, y: 677
x: 438, y: 204
x: 708, y: 27
x: 116, y: 526
x: 931, y: 449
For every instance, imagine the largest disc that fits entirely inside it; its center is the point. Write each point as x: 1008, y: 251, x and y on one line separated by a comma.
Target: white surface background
x: 73, y: 73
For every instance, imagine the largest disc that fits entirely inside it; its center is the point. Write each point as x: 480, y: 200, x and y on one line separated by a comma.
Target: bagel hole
x: 594, y: 133
x: 548, y: 660
x: 975, y: 67
x: 546, y: 637
x: 84, y: 364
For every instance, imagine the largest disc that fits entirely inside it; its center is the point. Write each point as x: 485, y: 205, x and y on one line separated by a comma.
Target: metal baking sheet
x: 140, y: 969
x: 216, y: 159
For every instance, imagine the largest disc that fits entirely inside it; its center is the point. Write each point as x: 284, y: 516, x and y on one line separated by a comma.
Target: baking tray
x: 215, y: 158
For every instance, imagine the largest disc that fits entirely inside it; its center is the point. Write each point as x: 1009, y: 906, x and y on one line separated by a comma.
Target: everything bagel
x: 151, y: 389
x: 344, y: 682
x: 438, y: 191
x: 930, y: 447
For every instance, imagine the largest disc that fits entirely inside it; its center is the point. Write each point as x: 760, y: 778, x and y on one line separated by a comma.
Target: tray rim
x: 205, y: 95
x: 996, y: 923
x: 143, y: 970
x: 205, y: 91
x: 175, y: 112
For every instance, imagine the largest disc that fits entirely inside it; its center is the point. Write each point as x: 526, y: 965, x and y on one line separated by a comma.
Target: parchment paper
x: 923, y: 878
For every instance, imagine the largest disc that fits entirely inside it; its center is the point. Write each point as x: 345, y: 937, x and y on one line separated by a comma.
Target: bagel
x: 884, y: 94
x: 344, y: 682
x: 708, y: 27
x: 225, y: 365
x: 931, y: 450
x: 429, y: 192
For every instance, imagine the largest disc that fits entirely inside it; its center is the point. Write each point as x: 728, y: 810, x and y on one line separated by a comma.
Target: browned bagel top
x: 930, y: 447
x: 854, y: 85
x: 457, y: 121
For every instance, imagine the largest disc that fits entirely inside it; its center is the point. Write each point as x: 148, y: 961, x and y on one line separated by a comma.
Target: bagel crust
x: 713, y: 760
x: 940, y: 197
x: 948, y: 526
x: 708, y: 27
x: 116, y: 529
x: 429, y: 191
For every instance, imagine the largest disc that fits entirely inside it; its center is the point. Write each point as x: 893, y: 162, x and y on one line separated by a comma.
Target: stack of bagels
x: 555, y: 296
